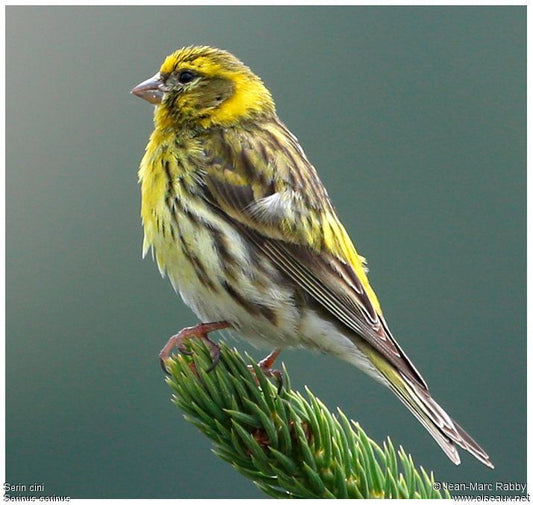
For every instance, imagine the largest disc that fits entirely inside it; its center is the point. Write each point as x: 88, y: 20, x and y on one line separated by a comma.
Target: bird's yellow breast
x: 162, y: 177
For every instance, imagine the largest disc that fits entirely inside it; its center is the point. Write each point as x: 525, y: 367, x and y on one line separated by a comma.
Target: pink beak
x: 150, y: 90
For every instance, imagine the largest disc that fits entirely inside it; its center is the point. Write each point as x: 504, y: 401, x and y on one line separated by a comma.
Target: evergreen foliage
x: 288, y: 444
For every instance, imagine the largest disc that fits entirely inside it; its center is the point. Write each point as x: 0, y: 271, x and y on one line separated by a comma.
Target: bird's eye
x: 185, y: 76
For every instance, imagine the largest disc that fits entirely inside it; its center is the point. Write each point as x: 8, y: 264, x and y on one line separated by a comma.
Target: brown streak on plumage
x: 198, y: 267
x: 252, y: 307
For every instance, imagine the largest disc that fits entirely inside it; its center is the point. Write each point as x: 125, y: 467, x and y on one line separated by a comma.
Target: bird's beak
x: 150, y: 90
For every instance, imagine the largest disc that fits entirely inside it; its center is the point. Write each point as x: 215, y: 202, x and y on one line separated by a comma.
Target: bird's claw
x: 199, y: 331
x: 266, y: 367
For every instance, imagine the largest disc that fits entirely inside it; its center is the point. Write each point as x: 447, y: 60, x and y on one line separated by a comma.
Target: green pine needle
x: 291, y: 446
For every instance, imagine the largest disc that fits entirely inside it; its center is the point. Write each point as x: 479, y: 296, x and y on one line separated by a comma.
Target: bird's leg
x: 266, y: 366
x: 266, y: 363
x: 199, y: 331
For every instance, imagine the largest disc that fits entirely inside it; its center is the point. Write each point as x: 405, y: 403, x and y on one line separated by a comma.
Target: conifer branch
x: 291, y: 446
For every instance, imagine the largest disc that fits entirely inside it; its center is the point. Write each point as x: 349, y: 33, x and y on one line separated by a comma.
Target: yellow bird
x: 239, y: 220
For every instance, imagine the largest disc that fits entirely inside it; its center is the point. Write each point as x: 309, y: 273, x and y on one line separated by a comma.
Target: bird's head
x: 204, y: 87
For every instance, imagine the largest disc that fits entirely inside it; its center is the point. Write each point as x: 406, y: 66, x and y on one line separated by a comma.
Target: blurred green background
x: 415, y: 118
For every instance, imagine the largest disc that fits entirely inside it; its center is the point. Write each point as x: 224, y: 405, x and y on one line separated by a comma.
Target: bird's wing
x: 266, y: 185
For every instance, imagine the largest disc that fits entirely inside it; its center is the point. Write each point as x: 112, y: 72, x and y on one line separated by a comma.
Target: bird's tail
x: 432, y: 416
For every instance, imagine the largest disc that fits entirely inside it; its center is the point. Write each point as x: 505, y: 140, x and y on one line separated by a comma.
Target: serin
x: 239, y: 220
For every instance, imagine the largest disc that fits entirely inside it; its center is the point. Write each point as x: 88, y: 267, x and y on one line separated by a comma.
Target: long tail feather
x: 433, y: 417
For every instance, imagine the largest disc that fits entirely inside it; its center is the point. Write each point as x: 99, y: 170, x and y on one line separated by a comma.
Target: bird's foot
x: 199, y: 331
x: 266, y: 367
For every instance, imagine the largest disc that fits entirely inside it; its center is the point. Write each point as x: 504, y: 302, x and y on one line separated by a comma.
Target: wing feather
x: 297, y: 230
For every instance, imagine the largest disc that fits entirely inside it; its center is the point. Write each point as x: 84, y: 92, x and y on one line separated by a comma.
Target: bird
x: 238, y: 219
